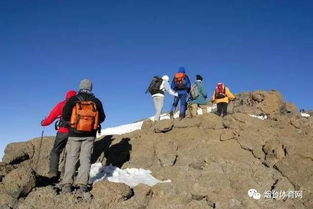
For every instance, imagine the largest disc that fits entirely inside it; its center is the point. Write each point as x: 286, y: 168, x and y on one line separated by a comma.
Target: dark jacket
x: 67, y: 112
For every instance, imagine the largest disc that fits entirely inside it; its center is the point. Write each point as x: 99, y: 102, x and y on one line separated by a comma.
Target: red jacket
x: 56, y: 112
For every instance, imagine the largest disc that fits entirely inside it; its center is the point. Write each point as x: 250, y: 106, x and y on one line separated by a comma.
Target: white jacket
x: 165, y: 87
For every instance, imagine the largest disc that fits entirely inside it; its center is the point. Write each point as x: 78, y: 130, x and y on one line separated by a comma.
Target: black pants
x: 59, y: 144
x: 222, y: 108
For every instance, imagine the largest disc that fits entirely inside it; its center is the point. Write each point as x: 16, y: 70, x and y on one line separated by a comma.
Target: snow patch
x: 306, y: 115
x: 130, y: 176
x: 261, y: 117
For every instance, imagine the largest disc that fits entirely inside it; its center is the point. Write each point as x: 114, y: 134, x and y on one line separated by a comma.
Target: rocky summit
x: 260, y: 156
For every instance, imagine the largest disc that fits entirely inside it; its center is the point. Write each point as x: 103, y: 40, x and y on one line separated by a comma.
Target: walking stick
x: 42, y: 132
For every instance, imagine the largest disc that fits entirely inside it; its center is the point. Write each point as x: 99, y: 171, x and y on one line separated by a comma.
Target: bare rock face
x: 107, y: 194
x: 212, y: 162
x: 6, y: 201
x: 163, y: 126
x: 147, y: 124
x: 18, y: 152
x: 19, y: 182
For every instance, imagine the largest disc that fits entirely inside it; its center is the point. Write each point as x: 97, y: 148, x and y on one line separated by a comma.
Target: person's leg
x: 84, y: 159
x: 183, y: 103
x: 175, y: 103
x: 225, y: 105
x: 59, y: 144
x: 193, y: 110
x: 219, y: 109
x: 72, y: 150
x: 204, y: 109
x: 158, y: 103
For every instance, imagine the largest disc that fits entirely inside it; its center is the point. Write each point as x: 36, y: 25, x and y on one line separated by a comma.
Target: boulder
x: 163, y: 126
x: 18, y: 152
x: 107, y: 194
x: 19, y: 182
x: 147, y: 124
x: 6, y: 201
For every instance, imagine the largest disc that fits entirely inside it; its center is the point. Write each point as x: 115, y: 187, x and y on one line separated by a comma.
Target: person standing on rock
x: 198, y: 97
x: 221, y: 96
x: 62, y: 134
x: 181, y: 84
x: 158, y: 88
x: 84, y: 112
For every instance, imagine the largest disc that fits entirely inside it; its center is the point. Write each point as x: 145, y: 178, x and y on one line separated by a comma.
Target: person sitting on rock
x: 198, y: 97
x: 221, y: 96
x: 61, y: 137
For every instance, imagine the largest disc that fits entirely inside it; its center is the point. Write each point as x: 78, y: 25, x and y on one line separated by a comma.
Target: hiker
x: 84, y: 113
x: 198, y: 97
x: 157, y: 89
x: 62, y: 134
x: 181, y: 84
x: 221, y: 96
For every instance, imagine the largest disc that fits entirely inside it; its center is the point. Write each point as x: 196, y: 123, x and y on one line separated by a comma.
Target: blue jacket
x: 186, y: 90
x: 202, y: 99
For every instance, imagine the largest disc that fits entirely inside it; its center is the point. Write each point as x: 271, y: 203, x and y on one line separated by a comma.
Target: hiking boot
x: 67, y: 188
x: 82, y: 189
x: 171, y: 115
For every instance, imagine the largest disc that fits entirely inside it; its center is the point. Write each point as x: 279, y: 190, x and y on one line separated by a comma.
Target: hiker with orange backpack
x: 62, y: 134
x: 221, y: 96
x: 84, y: 112
x: 181, y: 84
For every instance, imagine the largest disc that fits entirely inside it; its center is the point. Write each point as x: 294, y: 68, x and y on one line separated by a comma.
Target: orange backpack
x: 180, y: 80
x: 85, y: 116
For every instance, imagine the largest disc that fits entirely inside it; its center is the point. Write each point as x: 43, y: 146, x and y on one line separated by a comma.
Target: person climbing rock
x: 221, y: 96
x: 198, y: 97
x: 84, y: 112
x: 157, y: 88
x: 62, y: 134
x: 181, y: 84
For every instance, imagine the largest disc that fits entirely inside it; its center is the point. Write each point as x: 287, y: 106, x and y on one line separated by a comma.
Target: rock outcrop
x: 212, y: 163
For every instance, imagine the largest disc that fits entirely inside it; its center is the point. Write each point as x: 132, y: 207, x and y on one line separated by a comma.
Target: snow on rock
x: 306, y: 115
x: 261, y: 117
x: 123, y: 129
x: 130, y: 176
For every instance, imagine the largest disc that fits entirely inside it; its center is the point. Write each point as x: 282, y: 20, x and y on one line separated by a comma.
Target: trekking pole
x: 40, y: 144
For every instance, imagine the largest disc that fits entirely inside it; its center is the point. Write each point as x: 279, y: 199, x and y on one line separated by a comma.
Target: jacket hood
x: 70, y: 94
x: 182, y: 70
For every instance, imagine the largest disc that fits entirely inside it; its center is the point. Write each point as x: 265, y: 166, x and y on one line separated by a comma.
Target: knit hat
x: 165, y: 78
x: 85, y: 85
x: 182, y: 70
x: 199, y: 77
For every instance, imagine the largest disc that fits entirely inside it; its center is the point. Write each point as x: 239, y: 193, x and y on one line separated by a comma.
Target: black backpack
x: 155, y: 85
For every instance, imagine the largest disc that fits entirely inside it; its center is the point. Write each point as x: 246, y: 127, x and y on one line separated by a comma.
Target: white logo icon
x: 254, y: 194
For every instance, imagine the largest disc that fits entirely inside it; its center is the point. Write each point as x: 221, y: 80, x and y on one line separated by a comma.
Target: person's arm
x: 188, y: 84
x: 173, y: 84
x: 54, y: 114
x: 169, y: 90
x: 67, y: 109
x: 203, y: 91
x: 101, y: 111
x: 229, y: 94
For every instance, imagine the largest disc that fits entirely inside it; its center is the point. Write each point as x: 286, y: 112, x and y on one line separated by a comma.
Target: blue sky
x: 47, y: 47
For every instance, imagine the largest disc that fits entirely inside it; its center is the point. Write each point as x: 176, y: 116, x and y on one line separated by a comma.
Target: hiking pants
x: 222, y: 108
x: 78, y: 148
x: 59, y: 144
x: 158, y: 104
x: 183, y: 103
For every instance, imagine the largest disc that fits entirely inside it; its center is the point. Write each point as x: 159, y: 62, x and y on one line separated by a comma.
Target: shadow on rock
x: 119, y: 153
